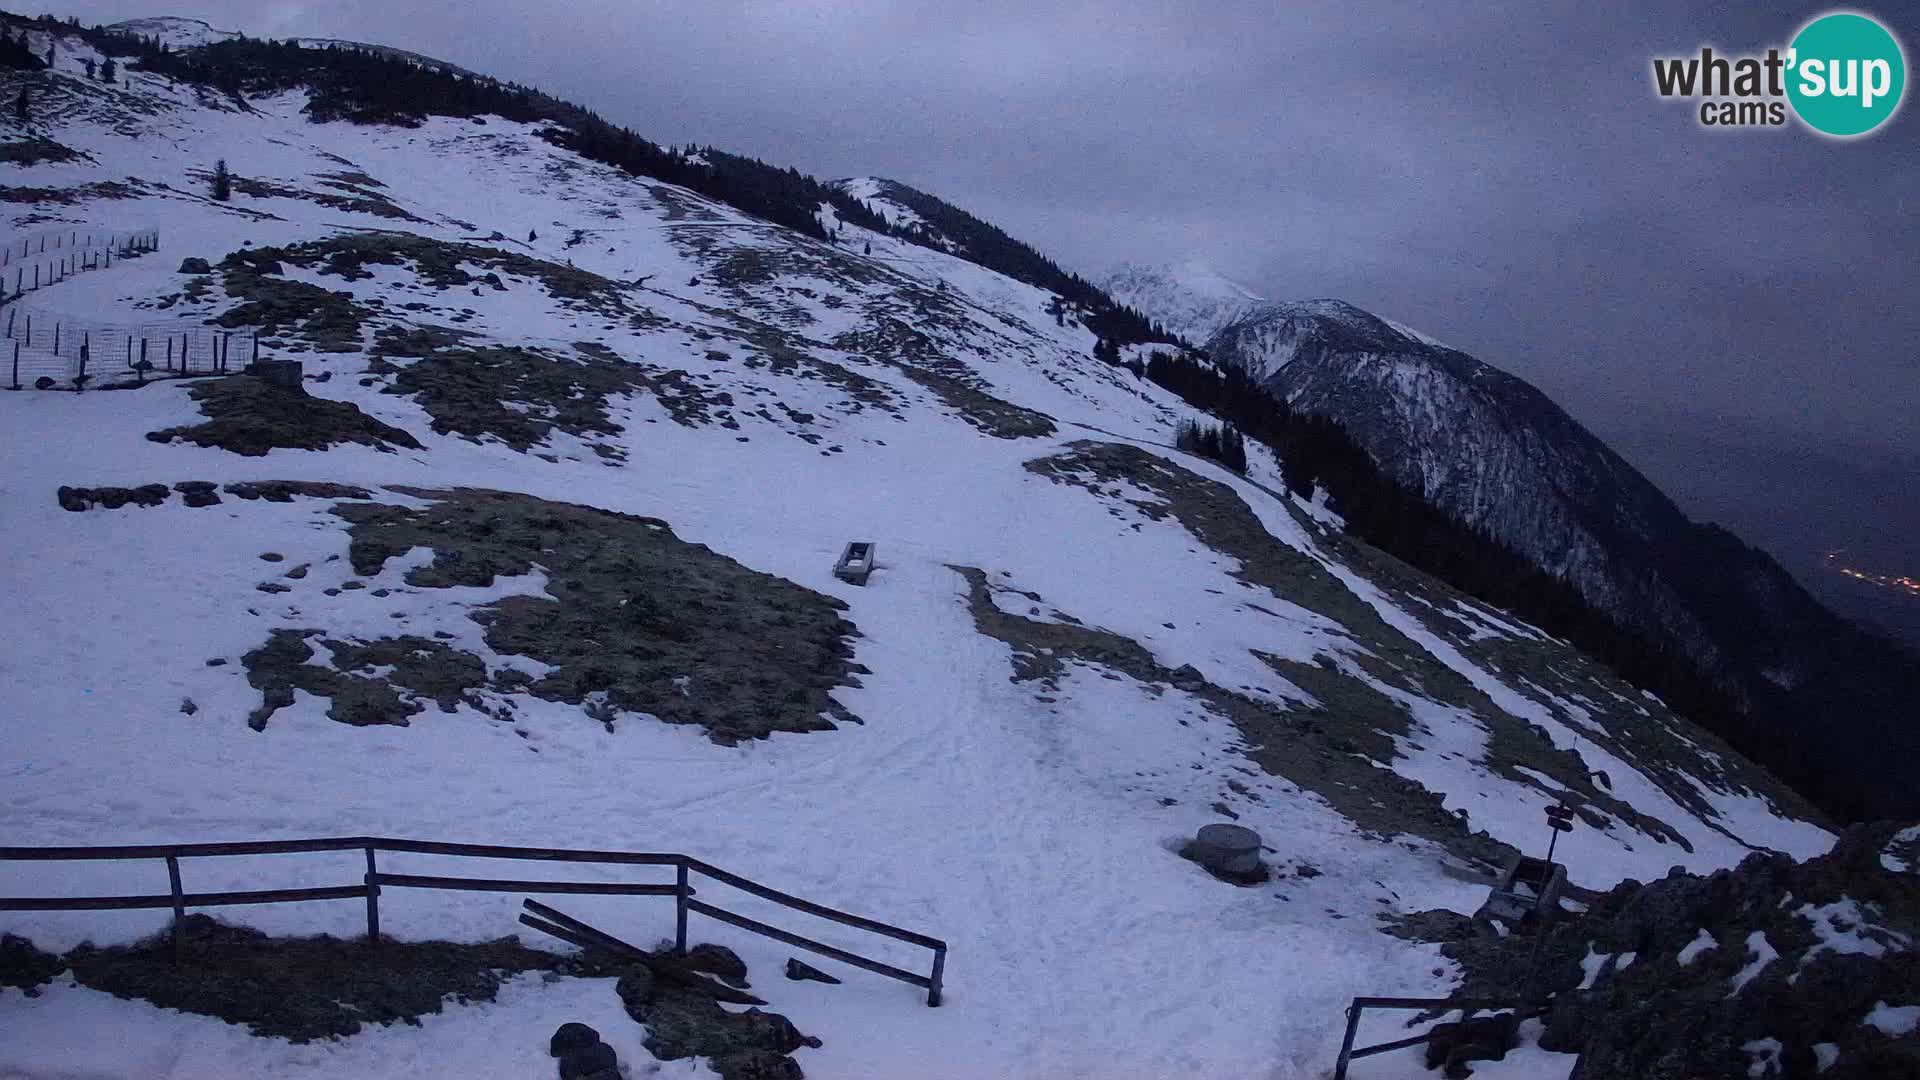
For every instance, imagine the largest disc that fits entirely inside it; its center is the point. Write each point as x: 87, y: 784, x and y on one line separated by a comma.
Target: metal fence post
x: 179, y: 903
x: 938, y: 977
x: 680, y: 910
x: 1346, y: 1044
x: 373, y: 903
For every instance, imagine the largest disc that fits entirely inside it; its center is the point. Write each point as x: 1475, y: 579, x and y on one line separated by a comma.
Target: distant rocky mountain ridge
x: 1824, y: 699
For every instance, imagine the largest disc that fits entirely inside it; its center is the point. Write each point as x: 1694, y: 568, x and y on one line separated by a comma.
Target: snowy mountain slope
x: 175, y: 31
x: 1190, y: 298
x: 1080, y: 645
x: 1505, y: 459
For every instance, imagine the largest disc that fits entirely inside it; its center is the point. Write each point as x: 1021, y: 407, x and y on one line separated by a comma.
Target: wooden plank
x: 799, y: 942
x: 578, y: 941
x: 811, y: 908
x: 220, y: 899
x: 181, y: 851
x: 492, y: 851
x: 607, y: 888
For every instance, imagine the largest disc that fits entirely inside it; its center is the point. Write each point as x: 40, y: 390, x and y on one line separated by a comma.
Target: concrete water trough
x: 856, y: 562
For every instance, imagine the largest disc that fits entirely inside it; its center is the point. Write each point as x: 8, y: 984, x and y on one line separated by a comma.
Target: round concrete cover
x: 1229, y: 839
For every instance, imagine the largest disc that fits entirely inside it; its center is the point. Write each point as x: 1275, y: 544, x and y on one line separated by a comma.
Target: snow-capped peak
x: 175, y: 31
x: 1190, y: 298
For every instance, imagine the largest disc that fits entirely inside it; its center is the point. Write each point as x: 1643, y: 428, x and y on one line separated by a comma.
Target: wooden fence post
x: 939, y: 975
x: 680, y: 910
x: 170, y: 353
x: 56, y: 339
x: 373, y: 903
x: 179, y: 903
x: 16, y: 365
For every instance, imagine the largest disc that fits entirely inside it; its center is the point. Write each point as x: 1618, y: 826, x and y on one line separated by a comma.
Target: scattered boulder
x: 195, y: 266
x: 684, y: 1019
x: 283, y: 491
x: 595, y: 1061
x: 26, y: 967
x: 111, y: 498
x: 198, y: 492
x: 798, y: 970
x: 718, y: 960
x: 1188, y: 677
x: 1484, y: 1038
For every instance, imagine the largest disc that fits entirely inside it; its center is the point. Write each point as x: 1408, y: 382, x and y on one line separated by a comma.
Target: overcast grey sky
x: 1735, y: 311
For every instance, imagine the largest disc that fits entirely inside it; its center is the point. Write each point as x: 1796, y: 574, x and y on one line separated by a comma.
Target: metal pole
x: 179, y: 903
x: 680, y: 911
x: 373, y: 903
x: 1346, y: 1044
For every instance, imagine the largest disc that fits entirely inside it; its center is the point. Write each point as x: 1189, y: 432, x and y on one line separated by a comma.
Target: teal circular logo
x: 1847, y: 74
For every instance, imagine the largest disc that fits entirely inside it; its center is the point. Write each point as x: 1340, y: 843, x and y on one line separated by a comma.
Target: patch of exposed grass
x: 632, y: 615
x: 251, y: 416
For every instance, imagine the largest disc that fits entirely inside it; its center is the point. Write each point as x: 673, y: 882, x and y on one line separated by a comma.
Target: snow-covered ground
x: 1032, y: 827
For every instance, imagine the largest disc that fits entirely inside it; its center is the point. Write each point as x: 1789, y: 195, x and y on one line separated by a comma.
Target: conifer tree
x: 20, y: 106
x: 108, y: 69
x: 90, y: 68
x: 222, y: 181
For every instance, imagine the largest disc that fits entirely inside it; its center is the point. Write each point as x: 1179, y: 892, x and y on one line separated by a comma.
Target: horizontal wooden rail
x: 495, y: 851
x: 799, y: 942
x: 609, y: 888
x: 216, y: 899
x: 181, y: 851
x: 812, y: 908
x: 336, y: 843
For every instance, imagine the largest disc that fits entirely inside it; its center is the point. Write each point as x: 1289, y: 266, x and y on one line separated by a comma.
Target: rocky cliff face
x: 1774, y: 968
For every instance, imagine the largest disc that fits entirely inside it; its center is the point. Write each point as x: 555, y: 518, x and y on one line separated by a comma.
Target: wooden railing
x: 375, y: 880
